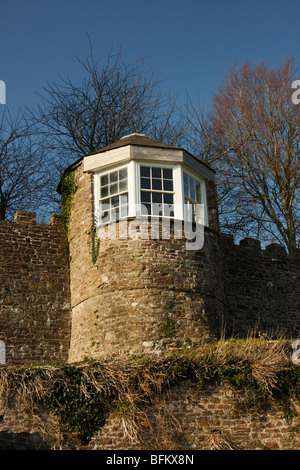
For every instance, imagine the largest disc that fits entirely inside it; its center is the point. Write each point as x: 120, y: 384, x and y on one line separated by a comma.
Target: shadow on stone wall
x: 21, y: 441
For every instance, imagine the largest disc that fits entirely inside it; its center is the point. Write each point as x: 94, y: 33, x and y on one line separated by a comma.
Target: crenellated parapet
x: 261, y: 287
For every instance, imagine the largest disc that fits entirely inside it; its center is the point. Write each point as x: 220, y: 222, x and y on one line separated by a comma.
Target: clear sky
x: 189, y: 42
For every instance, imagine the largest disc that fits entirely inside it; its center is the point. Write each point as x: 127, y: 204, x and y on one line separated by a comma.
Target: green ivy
x: 80, y: 406
x: 169, y: 327
x: 288, y: 387
x: 95, y: 244
x: 68, y: 190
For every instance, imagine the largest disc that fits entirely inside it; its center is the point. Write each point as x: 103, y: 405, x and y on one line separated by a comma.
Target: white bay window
x: 140, y: 188
x: 141, y: 176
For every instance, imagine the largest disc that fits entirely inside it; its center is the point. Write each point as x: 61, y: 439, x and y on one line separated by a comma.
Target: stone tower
x: 138, y: 284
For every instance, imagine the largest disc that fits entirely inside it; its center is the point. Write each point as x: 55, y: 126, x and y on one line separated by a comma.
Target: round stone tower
x: 145, y: 262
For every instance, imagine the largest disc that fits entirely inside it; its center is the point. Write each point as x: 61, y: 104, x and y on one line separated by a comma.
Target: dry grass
x: 265, y: 356
x: 131, y: 386
x: 217, y: 441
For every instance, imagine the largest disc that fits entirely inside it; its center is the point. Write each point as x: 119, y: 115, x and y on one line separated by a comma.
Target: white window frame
x: 97, y: 187
x: 176, y: 201
x: 201, y: 181
x: 134, y: 186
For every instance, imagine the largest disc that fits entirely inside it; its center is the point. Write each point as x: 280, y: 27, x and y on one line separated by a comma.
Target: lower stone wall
x: 188, y: 419
x: 185, y: 418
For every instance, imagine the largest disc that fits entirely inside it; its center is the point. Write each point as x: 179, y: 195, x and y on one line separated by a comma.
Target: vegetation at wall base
x: 82, y: 395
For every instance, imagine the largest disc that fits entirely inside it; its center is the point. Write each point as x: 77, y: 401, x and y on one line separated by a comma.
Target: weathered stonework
x: 138, y: 295
x: 34, y: 291
x: 262, y: 288
x: 130, y: 296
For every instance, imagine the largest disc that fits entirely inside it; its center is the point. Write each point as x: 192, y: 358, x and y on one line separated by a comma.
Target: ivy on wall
x: 68, y: 190
x: 94, y: 244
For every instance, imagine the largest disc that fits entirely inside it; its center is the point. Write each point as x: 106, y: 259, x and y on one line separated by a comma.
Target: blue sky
x: 190, y: 43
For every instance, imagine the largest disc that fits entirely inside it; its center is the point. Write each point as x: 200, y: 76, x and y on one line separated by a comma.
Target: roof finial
x: 130, y: 135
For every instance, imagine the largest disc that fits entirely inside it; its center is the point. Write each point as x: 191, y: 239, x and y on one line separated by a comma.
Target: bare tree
x: 112, y: 100
x: 23, y: 179
x: 252, y: 136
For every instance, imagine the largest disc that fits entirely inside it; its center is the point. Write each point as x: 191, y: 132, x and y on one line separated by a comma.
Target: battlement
x: 25, y: 217
x: 255, y: 243
x: 29, y: 218
x: 261, y: 287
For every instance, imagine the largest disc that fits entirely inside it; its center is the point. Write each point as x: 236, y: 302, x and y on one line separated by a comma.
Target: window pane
x: 145, y: 183
x: 104, y: 215
x: 192, y: 183
x: 123, y: 174
x: 157, y: 209
x: 187, y: 210
x: 145, y: 196
x: 104, y: 180
x: 145, y: 171
x: 186, y: 179
x: 113, y: 189
x: 115, y: 201
x: 124, y: 211
x: 115, y: 214
x: 105, y: 209
x: 156, y: 184
x: 105, y: 201
x: 193, y: 195
x: 113, y: 177
x: 146, y: 207
x: 168, y: 185
x: 104, y: 191
x: 123, y: 199
x: 157, y: 198
x: 167, y: 173
x: 168, y: 198
x: 156, y: 172
x: 186, y: 191
x: 171, y: 211
x: 123, y: 185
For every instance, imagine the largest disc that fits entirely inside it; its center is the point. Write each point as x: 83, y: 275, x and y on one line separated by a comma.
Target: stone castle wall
x: 34, y: 291
x: 262, y: 288
x: 66, y: 298
x: 145, y: 295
